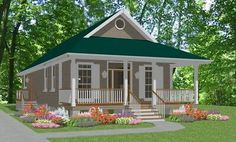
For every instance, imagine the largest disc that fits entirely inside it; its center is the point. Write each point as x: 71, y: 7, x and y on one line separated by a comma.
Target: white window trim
x: 145, y: 79
x: 45, y: 79
x: 52, y: 78
x: 83, y: 63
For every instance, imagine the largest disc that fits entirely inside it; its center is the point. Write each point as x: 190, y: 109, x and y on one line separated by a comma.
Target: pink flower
x: 45, y: 125
x: 224, y: 118
x: 135, y: 121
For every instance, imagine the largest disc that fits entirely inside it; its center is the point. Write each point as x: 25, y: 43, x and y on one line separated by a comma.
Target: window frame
x: 148, y: 81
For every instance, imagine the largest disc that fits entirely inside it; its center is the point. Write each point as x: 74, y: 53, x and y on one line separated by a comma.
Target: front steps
x: 145, y: 112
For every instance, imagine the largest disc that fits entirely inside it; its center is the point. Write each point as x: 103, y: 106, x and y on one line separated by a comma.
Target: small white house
x: 114, y: 64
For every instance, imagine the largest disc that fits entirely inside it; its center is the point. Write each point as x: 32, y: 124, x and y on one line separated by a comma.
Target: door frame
x: 130, y: 79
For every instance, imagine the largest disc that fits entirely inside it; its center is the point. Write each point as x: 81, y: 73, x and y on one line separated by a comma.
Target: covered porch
x: 132, y: 81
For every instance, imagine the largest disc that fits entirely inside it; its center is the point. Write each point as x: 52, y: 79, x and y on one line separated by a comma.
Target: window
x: 120, y: 24
x: 148, y: 82
x: 84, y: 76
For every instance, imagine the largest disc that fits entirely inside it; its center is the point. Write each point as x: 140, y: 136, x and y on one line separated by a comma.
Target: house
x: 114, y: 64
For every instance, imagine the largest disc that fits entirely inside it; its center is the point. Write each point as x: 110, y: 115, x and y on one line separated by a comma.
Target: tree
x: 4, y: 11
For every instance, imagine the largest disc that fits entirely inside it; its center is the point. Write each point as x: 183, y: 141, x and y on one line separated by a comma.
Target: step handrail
x: 158, y: 97
x: 161, y: 104
x: 135, y: 97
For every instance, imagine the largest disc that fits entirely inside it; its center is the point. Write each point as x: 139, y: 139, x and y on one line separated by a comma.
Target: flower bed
x: 41, y: 117
x: 189, y: 114
x: 45, y: 125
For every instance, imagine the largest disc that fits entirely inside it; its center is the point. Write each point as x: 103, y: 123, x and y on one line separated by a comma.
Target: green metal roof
x: 112, y: 46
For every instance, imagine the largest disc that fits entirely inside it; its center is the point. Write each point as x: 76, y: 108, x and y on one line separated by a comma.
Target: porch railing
x: 100, y: 96
x: 160, y: 105
x: 175, y: 96
x: 22, y: 94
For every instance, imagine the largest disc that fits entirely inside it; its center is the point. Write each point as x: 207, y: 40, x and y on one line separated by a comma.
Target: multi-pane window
x: 148, y: 82
x: 84, y: 75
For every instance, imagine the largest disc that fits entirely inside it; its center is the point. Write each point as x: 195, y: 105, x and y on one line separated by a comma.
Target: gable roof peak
x: 126, y: 14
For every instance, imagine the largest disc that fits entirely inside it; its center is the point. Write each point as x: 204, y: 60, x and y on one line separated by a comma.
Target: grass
x: 10, y: 109
x: 199, y: 131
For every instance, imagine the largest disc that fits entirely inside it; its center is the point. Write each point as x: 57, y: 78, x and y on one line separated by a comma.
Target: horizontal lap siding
x: 66, y: 81
x: 37, y: 86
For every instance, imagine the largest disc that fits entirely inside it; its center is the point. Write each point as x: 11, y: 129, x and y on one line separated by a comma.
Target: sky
x: 208, y: 4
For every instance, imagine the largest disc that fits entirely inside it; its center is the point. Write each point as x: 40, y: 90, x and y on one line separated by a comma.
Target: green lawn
x: 202, y: 131
x: 10, y: 109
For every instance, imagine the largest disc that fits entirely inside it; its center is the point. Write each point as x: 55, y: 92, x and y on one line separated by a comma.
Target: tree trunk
x: 11, y: 66
x: 11, y: 79
x: 3, y: 23
x: 142, y: 14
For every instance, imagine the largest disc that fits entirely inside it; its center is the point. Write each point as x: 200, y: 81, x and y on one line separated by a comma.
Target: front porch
x: 124, y: 82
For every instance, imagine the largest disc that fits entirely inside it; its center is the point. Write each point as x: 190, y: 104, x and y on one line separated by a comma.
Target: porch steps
x: 149, y: 117
x: 145, y: 112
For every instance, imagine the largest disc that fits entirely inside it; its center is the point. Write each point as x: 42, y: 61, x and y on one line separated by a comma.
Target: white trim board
x: 124, y: 13
x: 121, y: 58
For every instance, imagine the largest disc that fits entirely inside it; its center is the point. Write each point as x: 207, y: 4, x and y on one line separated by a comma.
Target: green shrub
x: 124, y: 120
x: 28, y: 118
x: 43, y: 121
x: 174, y: 118
x: 186, y: 118
x: 214, y: 117
x: 82, y: 122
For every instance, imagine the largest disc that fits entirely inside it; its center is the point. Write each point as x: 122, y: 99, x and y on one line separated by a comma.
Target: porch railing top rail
x: 176, y: 96
x: 175, y: 89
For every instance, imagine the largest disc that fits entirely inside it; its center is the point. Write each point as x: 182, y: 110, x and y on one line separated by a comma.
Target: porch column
x: 196, y: 84
x: 154, y: 83
x: 52, y: 79
x: 45, y: 79
x: 171, y: 77
x: 60, y: 75
x: 73, y: 82
x: 125, y: 65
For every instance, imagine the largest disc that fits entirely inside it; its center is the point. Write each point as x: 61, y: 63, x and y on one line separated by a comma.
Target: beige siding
x: 128, y: 32
x: 166, y: 76
x: 66, y: 75
x: 37, y: 86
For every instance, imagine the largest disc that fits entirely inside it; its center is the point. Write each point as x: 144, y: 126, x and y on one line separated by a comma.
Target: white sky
x: 208, y: 4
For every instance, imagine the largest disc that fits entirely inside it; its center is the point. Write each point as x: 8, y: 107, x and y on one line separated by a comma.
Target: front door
x: 116, y: 76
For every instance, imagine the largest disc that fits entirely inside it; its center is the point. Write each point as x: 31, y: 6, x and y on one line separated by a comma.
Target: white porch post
x: 73, y: 83
x: 52, y: 79
x: 60, y: 75
x: 196, y: 84
x: 45, y: 79
x: 154, y: 84
x: 171, y: 77
x: 125, y: 65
